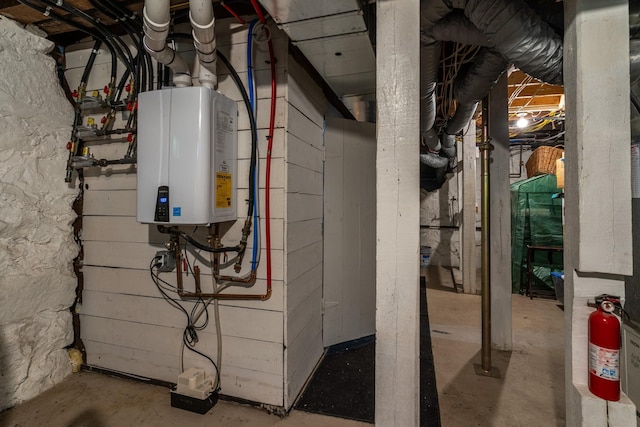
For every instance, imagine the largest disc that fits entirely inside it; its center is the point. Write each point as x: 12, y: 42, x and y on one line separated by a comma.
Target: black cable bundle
x: 190, y: 333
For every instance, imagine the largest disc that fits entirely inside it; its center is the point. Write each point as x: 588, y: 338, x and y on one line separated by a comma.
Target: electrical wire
x: 190, y: 334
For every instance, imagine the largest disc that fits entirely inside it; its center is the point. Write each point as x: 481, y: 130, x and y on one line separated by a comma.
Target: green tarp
x: 536, y: 219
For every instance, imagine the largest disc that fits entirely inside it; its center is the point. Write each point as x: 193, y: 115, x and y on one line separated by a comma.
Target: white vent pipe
x: 204, y: 40
x: 156, y: 29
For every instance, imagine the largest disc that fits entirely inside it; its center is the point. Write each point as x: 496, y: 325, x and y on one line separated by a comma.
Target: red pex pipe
x: 272, y: 121
x: 233, y: 12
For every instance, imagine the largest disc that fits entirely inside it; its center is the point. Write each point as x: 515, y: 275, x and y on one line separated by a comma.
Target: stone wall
x: 37, y: 283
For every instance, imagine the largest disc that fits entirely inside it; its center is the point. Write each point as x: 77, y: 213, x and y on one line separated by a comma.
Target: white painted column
x: 597, y: 186
x: 501, y: 336
x: 398, y: 214
x: 468, y: 226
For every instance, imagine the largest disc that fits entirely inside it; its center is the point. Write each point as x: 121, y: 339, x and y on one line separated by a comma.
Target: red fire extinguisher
x: 604, y: 352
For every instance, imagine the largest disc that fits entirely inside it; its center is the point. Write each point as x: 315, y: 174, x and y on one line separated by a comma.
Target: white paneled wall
x: 303, y: 224
x: 350, y: 231
x: 269, y: 348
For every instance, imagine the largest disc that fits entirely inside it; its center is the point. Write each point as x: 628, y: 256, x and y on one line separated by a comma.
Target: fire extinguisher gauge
x: 608, y: 306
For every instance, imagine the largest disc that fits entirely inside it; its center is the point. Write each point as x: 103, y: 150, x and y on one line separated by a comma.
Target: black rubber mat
x: 344, y: 383
x: 429, y: 407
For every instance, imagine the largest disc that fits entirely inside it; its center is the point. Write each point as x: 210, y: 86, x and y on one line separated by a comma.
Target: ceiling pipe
x: 156, y: 21
x: 204, y: 40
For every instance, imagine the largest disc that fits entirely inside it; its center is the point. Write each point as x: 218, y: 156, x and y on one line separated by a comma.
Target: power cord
x: 190, y: 333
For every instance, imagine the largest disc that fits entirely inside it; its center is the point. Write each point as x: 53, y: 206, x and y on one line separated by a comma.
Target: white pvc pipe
x: 156, y: 28
x: 202, y: 22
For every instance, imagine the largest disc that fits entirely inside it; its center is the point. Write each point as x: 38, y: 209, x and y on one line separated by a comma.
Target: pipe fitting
x: 204, y: 40
x: 243, y: 244
x: 156, y: 13
x: 156, y: 21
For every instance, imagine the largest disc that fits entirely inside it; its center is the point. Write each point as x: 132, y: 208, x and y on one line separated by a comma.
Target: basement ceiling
x: 335, y: 36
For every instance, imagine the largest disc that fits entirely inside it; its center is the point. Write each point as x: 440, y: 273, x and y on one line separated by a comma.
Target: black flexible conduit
x: 117, y: 44
x: 133, y: 27
x: 92, y: 59
x: 89, y: 31
x: 176, y: 232
x: 254, y: 130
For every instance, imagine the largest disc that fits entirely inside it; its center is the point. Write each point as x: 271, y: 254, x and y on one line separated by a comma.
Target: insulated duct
x: 429, y: 64
x: 156, y: 28
x: 510, y: 31
x: 456, y: 27
x: 204, y: 41
x: 520, y: 36
x: 431, y: 11
x: 434, y: 160
x: 470, y: 88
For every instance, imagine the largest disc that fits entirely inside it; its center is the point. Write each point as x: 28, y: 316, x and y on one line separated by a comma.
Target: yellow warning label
x: 224, y: 190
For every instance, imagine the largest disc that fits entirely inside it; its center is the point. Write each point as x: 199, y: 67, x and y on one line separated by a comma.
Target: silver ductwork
x: 434, y: 160
x: 456, y: 27
x: 429, y: 65
x: 510, y: 31
x: 471, y: 87
x: 522, y: 38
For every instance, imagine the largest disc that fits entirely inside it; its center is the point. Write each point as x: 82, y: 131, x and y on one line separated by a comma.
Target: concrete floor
x: 90, y: 399
x: 530, y: 393
x: 531, y: 390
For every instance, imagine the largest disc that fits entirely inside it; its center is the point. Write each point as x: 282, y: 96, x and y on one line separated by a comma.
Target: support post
x: 597, y: 244
x: 486, y: 147
x: 397, y: 399
x: 468, y: 261
x: 485, y: 174
x: 498, y: 121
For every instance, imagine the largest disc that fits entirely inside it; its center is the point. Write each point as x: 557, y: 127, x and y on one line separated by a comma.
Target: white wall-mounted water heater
x: 187, y: 156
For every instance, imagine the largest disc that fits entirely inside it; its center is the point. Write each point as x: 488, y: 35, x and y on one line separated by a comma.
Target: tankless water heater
x: 187, y: 156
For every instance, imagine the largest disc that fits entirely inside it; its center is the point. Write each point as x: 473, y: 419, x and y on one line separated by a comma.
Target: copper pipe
x: 196, y: 276
x: 219, y: 296
x: 251, y: 278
